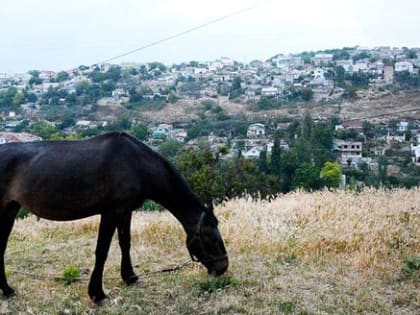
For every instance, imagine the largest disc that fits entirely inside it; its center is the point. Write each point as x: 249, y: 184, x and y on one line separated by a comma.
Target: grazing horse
x: 110, y: 175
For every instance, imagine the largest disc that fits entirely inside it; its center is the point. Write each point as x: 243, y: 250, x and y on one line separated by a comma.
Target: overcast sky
x: 60, y: 35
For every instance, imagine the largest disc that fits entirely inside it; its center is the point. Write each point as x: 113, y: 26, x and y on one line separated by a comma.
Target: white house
x: 179, y: 134
x: 322, y: 58
x: 253, y: 153
x: 404, y: 66
x: 394, y: 138
x: 119, y: 92
x: 162, y: 131
x: 269, y: 91
x: 415, y: 149
x: 256, y: 130
x: 402, y: 126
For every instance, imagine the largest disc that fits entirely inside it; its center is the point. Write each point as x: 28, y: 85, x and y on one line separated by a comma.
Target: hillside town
x: 92, y: 99
x: 257, y: 79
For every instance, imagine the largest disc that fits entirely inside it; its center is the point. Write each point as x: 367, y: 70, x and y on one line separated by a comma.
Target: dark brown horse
x: 110, y: 175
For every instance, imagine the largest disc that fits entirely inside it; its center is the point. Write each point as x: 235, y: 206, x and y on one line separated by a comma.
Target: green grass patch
x: 217, y: 284
x: 150, y: 205
x: 22, y: 213
x: 286, y: 307
x: 70, y: 274
x: 411, y: 266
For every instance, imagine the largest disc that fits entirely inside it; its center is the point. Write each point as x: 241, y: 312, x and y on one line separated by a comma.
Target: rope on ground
x: 58, y: 278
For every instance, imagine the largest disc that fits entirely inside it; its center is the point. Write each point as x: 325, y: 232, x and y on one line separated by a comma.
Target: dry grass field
x: 303, y: 253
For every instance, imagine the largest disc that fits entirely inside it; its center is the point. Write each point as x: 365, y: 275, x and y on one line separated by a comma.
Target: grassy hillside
x: 303, y: 253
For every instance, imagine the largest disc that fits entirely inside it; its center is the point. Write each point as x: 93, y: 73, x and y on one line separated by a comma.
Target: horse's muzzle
x: 219, y: 267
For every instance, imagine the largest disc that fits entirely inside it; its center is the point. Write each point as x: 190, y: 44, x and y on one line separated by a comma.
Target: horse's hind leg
x: 106, y: 231
x: 124, y: 237
x: 7, y: 218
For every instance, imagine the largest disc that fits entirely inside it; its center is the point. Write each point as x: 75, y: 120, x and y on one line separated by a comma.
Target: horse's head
x: 205, y: 244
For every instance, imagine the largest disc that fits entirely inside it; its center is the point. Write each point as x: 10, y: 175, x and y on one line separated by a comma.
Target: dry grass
x: 303, y: 253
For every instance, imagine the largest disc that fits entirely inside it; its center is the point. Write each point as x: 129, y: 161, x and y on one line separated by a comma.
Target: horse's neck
x: 187, y: 210
x: 173, y: 192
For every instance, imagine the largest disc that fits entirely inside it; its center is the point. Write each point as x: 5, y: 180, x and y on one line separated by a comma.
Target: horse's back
x: 65, y: 180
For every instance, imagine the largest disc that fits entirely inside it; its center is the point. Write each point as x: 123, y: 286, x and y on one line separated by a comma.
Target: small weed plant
x: 411, y: 266
x: 150, y: 205
x: 70, y: 275
x: 22, y: 213
x: 217, y: 284
x: 286, y: 307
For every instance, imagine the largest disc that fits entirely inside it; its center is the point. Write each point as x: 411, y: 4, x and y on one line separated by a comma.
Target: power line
x: 217, y: 20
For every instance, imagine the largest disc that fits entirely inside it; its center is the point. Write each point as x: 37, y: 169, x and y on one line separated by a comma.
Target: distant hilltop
x: 346, y: 53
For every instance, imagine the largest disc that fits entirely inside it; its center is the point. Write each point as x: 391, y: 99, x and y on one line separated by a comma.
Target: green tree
x: 331, y: 174
x: 35, y: 79
x: 340, y: 74
x: 173, y: 98
x: 18, y: 99
x: 383, y: 170
x: 410, y: 53
x: 62, y: 76
x: 201, y: 172
x: 276, y: 157
x: 368, y: 130
x: 307, y: 94
x: 262, y: 161
x: 170, y: 148
x: 139, y: 131
x: 236, y: 89
x: 45, y: 130
x: 307, y: 177
x: 307, y: 126
x: 113, y: 73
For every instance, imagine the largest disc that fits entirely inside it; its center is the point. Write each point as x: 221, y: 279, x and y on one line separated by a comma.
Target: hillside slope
x: 303, y: 253
x: 383, y: 105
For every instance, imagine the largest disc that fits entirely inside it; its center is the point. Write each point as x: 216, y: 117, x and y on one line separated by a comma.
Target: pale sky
x: 63, y: 34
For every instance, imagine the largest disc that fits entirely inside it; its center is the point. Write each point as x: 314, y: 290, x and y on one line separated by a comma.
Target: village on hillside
x: 47, y: 105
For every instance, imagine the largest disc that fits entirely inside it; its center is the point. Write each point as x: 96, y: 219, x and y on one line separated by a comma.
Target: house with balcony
x: 348, y: 151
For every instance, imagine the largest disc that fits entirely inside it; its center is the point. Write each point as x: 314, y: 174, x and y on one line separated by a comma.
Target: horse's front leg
x: 124, y: 238
x: 7, y: 219
x: 106, y: 231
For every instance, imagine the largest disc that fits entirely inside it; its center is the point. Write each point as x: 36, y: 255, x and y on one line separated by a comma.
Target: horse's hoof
x: 132, y: 280
x: 100, y: 300
x: 9, y: 293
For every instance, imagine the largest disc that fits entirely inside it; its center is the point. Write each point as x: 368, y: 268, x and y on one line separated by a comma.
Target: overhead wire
x: 190, y: 30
